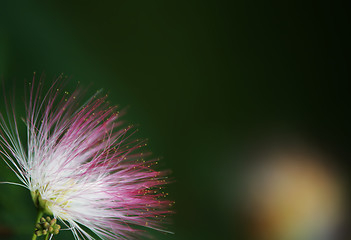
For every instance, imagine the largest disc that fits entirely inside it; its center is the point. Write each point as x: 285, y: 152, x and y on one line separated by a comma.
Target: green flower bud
x: 51, y: 230
x: 38, y: 226
x: 56, y: 226
x: 53, y: 222
x: 46, y: 225
x: 42, y: 220
x: 48, y: 219
x: 38, y: 233
x: 56, y: 231
x: 45, y: 232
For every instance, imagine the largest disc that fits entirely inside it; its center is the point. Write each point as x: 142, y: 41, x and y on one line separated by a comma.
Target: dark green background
x: 200, y: 79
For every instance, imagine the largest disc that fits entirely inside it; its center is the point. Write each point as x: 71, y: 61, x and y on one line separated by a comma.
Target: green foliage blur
x: 199, y: 79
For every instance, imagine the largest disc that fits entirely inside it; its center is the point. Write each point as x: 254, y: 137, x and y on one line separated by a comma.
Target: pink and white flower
x: 82, y: 165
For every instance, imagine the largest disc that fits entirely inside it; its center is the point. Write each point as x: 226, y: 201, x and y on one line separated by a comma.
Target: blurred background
x: 235, y: 96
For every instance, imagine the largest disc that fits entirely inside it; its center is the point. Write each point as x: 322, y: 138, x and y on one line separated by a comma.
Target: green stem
x: 40, y: 214
x: 47, y: 236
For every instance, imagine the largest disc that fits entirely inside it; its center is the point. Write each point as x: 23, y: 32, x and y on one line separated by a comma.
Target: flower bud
x: 46, y: 225
x: 38, y: 233
x: 53, y: 222
x: 38, y: 226
x: 56, y: 226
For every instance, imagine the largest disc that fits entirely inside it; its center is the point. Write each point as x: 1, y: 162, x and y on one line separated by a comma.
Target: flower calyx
x: 41, y: 204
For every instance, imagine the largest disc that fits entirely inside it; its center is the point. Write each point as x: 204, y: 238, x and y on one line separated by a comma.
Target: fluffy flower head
x: 82, y: 165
